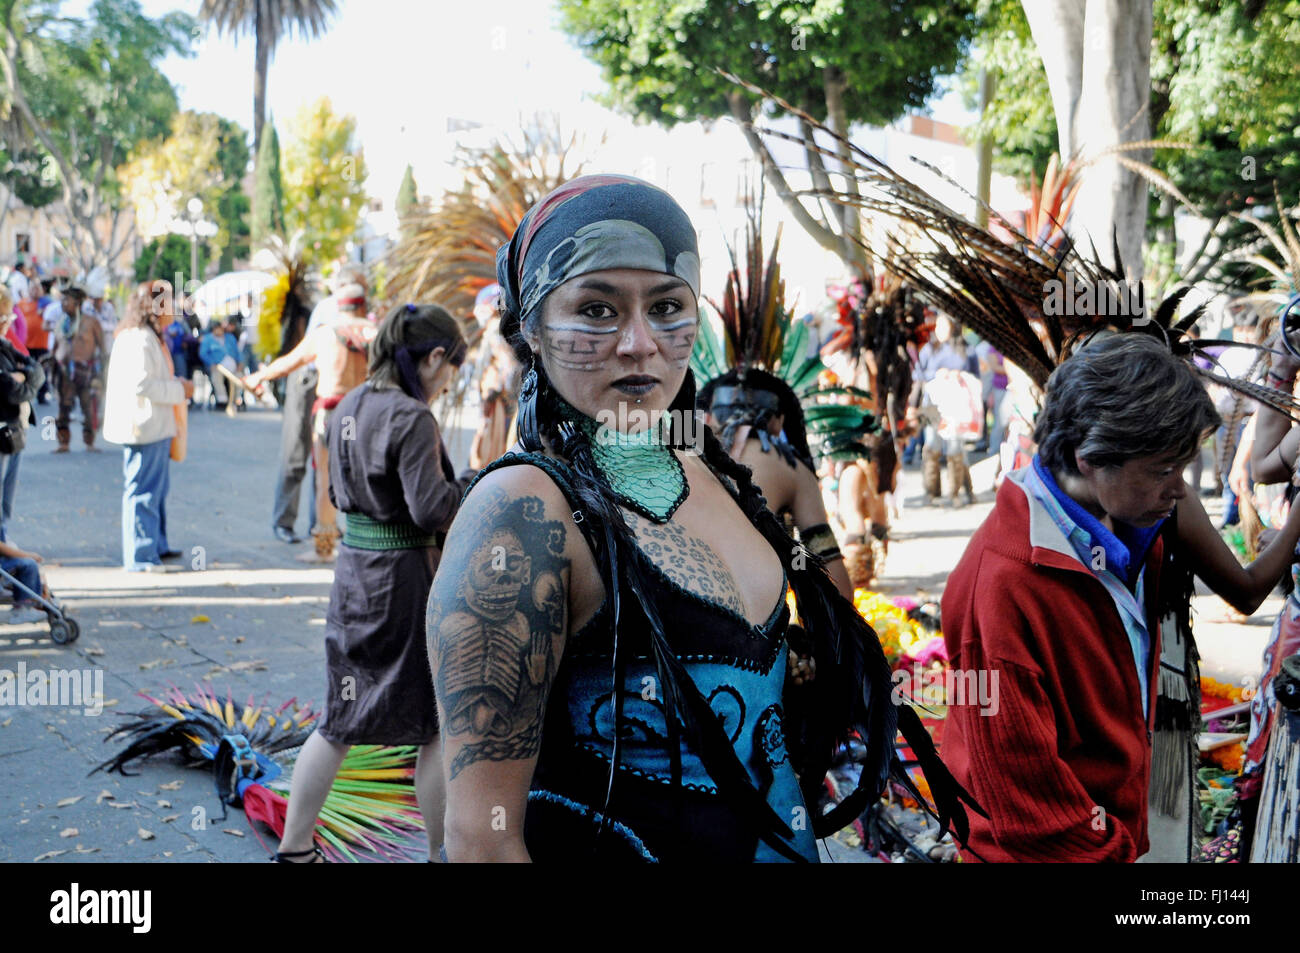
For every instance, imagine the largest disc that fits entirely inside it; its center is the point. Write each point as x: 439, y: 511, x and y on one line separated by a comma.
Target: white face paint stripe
x: 574, y: 366
x: 585, y: 329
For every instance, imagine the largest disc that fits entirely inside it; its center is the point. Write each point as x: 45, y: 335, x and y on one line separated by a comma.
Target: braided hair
x: 557, y: 240
x: 852, y: 689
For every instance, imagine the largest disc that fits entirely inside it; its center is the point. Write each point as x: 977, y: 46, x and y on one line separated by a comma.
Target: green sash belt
x: 362, y: 532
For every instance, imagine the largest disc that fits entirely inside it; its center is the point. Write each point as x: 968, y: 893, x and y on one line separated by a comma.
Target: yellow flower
x: 899, y: 633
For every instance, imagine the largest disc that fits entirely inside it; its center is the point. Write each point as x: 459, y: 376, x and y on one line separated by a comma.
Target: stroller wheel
x: 64, y: 631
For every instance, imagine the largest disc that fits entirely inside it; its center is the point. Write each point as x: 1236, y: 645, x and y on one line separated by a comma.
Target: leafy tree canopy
x: 30, y: 176
x: 407, y: 195
x: 85, y: 93
x: 1227, y: 83
x: 658, y: 55
x: 268, y: 190
x: 204, y: 156
x: 166, y: 257
x: 324, y: 176
x: 841, y: 61
x: 1224, y: 77
x: 1020, y: 120
x: 95, y: 86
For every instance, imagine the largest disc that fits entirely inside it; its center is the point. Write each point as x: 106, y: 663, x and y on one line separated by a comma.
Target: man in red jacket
x: 1055, y: 597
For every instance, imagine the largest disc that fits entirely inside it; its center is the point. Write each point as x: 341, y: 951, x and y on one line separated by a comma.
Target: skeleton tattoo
x: 496, y: 625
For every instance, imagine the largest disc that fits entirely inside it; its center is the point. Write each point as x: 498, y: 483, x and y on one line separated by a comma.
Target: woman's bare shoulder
x: 772, y: 472
x: 522, y: 479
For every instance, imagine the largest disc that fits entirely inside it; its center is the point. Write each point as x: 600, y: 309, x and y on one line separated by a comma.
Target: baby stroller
x: 63, y: 628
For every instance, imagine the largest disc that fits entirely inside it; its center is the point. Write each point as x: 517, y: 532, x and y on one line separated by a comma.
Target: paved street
x: 245, y: 615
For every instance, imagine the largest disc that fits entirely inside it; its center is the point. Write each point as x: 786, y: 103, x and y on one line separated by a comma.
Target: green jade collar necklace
x: 641, y: 468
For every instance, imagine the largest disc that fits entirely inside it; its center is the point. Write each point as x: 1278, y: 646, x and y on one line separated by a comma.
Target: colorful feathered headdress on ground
x: 371, y: 807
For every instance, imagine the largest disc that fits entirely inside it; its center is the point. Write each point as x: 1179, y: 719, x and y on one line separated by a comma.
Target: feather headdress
x: 285, y: 298
x: 1021, y: 296
x: 761, y: 348
x: 448, y: 254
x: 370, y: 807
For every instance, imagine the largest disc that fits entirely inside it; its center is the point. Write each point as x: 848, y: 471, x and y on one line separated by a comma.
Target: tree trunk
x: 262, y: 61
x: 1112, y: 110
x: 157, y: 254
x: 1098, y: 61
x: 1205, y: 258
x: 81, y: 198
x: 816, y: 167
x: 1057, y: 28
x: 260, y: 66
x: 4, y: 212
x: 984, y: 154
x: 853, y: 255
x: 825, y: 237
x: 1167, y: 233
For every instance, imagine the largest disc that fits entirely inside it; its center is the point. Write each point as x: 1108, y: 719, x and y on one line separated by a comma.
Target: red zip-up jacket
x: 1062, y: 761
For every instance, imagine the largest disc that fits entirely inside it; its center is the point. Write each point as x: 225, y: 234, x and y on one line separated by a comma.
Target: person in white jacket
x: 138, y: 413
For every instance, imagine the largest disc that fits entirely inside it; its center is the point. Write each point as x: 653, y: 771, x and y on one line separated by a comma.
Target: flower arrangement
x: 903, y: 638
x: 1227, y: 757
x: 1233, y: 694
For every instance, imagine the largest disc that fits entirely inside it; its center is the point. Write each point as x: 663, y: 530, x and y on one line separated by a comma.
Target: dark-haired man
x: 1057, y: 594
x: 79, y: 351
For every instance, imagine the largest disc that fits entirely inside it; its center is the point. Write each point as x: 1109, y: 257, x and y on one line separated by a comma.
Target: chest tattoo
x: 688, y: 561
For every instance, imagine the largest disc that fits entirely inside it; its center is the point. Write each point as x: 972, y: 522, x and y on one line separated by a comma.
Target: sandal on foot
x: 282, y: 857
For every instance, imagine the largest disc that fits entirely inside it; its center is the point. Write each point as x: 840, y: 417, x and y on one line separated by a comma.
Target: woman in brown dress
x: 391, y: 477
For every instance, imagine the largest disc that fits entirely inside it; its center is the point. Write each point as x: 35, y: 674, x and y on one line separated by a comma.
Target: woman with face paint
x: 607, y: 630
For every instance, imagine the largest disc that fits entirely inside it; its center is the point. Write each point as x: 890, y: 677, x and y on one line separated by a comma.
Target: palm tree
x: 268, y: 21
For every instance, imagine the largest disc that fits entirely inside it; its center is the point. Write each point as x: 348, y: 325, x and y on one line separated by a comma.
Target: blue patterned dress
x: 738, y: 667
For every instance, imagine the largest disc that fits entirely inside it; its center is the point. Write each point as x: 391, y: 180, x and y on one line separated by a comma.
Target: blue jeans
x: 25, y: 571
x: 9, y: 464
x: 912, y: 448
x: 146, y: 468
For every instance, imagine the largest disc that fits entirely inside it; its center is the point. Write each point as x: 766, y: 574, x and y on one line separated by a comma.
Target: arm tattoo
x: 496, y: 624
x: 687, y: 560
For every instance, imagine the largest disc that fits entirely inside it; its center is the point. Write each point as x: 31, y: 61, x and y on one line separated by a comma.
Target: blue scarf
x: 1126, y: 548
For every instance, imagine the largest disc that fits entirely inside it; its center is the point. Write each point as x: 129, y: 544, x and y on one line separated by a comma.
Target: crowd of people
x: 59, y: 334
x: 587, y: 632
